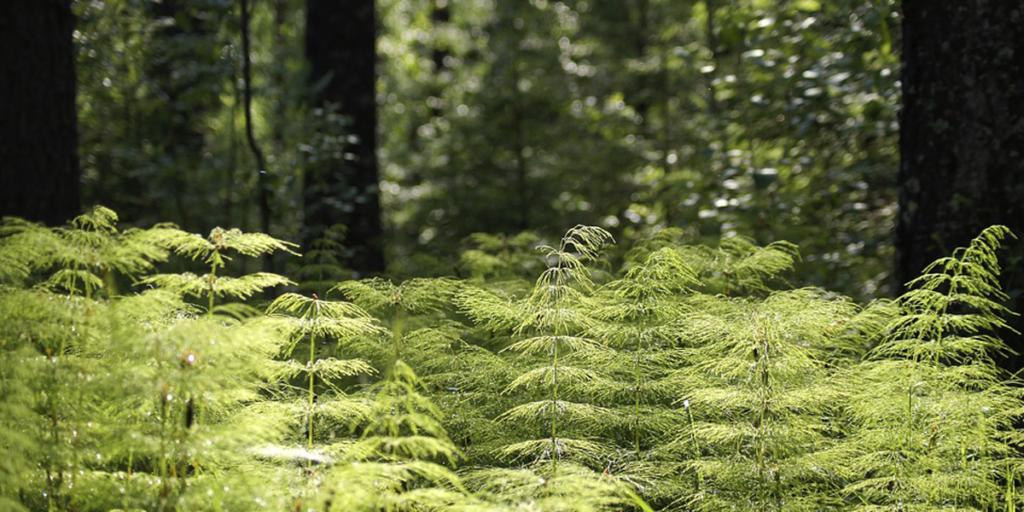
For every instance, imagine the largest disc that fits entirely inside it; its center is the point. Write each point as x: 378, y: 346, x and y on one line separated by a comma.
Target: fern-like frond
x: 310, y: 307
x: 209, y: 249
x: 535, y: 450
x: 547, y: 344
x: 571, y: 379
x: 99, y: 219
x: 417, y: 296
x: 540, y: 412
x: 218, y: 286
x: 329, y: 368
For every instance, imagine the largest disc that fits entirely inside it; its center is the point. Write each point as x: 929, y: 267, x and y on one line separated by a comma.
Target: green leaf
x: 807, y: 5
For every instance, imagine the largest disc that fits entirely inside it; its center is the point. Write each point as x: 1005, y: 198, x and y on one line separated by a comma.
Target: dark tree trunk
x: 39, y: 175
x: 341, y: 49
x: 962, y: 130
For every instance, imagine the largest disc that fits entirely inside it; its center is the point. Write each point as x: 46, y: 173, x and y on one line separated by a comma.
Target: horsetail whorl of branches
x: 692, y: 378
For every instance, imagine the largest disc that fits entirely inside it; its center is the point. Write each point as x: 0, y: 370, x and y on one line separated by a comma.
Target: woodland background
x: 743, y: 187
x: 415, y: 123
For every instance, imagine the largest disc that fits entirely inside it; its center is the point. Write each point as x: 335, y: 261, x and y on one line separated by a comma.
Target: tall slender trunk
x: 341, y: 49
x: 38, y: 121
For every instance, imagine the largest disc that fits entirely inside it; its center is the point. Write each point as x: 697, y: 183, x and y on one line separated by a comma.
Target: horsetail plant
x: 316, y: 322
x: 40, y: 333
x: 400, y: 304
x: 80, y: 259
x: 211, y: 251
x: 404, y: 455
x: 758, y: 379
x: 685, y: 381
x: 552, y: 322
x: 738, y: 266
x: 403, y: 448
x: 321, y: 266
x: 85, y: 256
x: 500, y: 259
x: 638, y: 319
x: 935, y: 418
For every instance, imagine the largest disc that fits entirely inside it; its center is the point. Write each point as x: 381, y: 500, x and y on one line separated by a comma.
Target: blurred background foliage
x: 771, y: 119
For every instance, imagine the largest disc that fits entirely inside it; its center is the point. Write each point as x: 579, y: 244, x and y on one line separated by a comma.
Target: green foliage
x: 490, y: 112
x: 758, y: 385
x: 317, y: 321
x: 84, y: 257
x: 692, y: 378
x: 416, y: 296
x: 499, y: 258
x: 768, y: 118
x: 935, y: 418
x: 550, y: 323
x: 211, y: 252
x: 322, y: 264
x: 160, y: 111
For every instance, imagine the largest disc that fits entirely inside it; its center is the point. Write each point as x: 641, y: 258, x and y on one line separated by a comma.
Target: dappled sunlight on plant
x: 691, y: 378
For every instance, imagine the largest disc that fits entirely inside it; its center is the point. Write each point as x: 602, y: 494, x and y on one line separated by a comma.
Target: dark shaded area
x: 962, y: 135
x: 152, y: 79
x: 343, y: 189
x: 38, y: 122
x: 183, y: 71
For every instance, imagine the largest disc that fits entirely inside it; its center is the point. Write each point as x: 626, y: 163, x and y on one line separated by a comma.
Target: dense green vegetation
x: 773, y: 119
x: 676, y: 377
x: 391, y: 317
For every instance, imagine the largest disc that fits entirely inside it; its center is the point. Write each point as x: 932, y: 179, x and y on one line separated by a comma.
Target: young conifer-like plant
x: 86, y: 256
x: 404, y: 459
x: 321, y: 266
x: 40, y: 333
x: 403, y: 307
x: 739, y: 266
x: 638, y: 318
x: 934, y: 415
x: 499, y: 258
x: 212, y: 252
x: 757, y: 384
x: 554, y: 319
x: 48, y: 330
x: 316, y: 382
x: 463, y: 379
x: 562, y: 426
x: 682, y: 380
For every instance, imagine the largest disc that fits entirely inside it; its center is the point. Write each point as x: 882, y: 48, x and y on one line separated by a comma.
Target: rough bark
x: 962, y: 130
x: 39, y: 173
x: 341, y: 50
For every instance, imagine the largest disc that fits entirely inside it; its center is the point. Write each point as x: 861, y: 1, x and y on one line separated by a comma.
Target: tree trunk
x: 962, y: 130
x: 39, y: 174
x: 341, y: 49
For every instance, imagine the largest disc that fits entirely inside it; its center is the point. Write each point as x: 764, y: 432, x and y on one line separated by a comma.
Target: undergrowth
x: 691, y: 378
